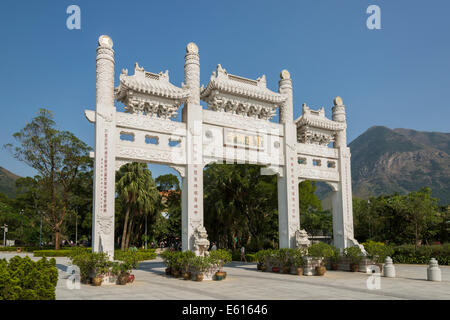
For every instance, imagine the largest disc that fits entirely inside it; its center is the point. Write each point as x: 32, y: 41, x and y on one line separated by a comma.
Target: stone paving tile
x: 244, y: 282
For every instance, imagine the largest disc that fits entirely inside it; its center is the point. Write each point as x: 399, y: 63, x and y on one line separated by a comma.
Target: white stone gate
x: 235, y: 128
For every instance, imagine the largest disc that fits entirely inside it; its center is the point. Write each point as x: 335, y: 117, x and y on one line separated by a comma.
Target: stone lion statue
x: 301, y: 239
x: 201, y: 242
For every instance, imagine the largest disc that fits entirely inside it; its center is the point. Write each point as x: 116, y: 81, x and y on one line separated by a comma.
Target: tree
x: 241, y: 204
x: 167, y: 182
x: 312, y: 218
x: 59, y: 157
x: 137, y: 190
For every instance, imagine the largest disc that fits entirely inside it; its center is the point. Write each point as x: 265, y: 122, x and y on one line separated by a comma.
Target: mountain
x: 387, y: 160
x: 8, y: 182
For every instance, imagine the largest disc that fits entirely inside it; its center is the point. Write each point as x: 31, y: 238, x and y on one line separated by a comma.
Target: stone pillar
x: 192, y: 182
x: 104, y: 167
x: 342, y: 198
x: 433, y: 271
x: 389, y: 268
x: 288, y: 204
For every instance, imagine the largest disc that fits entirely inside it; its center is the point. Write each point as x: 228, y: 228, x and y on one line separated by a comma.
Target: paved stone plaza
x: 244, y: 282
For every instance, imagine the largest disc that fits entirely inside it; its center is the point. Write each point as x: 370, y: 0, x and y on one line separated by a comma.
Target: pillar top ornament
x: 191, y: 48
x: 338, y: 101
x: 285, y: 75
x: 105, y: 41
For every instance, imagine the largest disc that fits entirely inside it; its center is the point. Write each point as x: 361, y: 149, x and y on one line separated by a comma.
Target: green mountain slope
x: 8, y: 182
x: 400, y: 160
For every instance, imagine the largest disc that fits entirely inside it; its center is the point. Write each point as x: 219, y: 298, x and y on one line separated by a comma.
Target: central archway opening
x: 316, y: 210
x: 240, y: 207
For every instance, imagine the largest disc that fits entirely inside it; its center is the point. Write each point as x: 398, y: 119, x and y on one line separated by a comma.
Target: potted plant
x: 167, y: 259
x: 275, y: 261
x: 377, y: 252
x: 334, y: 258
x: 269, y: 256
x: 201, y: 264
x: 259, y: 256
x: 101, y: 267
x: 284, y: 258
x: 320, y: 251
x: 354, y: 254
x: 220, y: 257
x: 120, y: 269
x: 186, y: 261
x: 298, y: 261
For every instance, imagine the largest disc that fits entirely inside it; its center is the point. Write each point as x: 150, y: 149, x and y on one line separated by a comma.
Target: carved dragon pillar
x: 104, y: 167
x: 342, y: 198
x: 192, y: 182
x: 288, y: 205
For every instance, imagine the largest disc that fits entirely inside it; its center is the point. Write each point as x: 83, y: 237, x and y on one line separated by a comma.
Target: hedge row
x: 32, y: 249
x: 24, y: 279
x: 141, y: 254
x: 250, y: 257
x: 402, y: 254
x: 57, y: 253
x: 422, y: 254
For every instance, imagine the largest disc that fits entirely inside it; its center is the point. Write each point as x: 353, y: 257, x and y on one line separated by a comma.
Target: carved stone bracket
x: 180, y: 169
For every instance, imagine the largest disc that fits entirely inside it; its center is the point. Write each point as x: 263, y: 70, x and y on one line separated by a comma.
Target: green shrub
x: 52, y: 253
x: 24, y: 279
x: 91, y: 263
x: 321, y: 250
x: 251, y: 257
x: 377, y: 251
x: 141, y: 255
x: 353, y: 253
x: 220, y: 257
x: 422, y: 254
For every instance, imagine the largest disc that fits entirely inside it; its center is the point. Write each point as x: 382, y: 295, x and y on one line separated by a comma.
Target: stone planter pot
x: 219, y: 275
x: 187, y: 275
x: 299, y: 271
x: 122, y: 279
x: 176, y: 273
x: 286, y: 270
x: 276, y: 269
x: 199, y: 277
x: 320, y: 271
x: 97, y: 281
x: 85, y: 280
x: 354, y: 267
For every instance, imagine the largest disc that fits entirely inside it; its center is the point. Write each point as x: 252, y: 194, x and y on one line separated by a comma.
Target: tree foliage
x: 59, y: 157
x: 137, y: 191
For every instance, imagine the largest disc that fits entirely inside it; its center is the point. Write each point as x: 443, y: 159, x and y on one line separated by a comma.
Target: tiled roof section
x: 150, y: 83
x: 317, y: 119
x: 232, y: 84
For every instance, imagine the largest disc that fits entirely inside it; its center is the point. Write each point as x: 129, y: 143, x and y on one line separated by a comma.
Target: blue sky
x: 398, y: 76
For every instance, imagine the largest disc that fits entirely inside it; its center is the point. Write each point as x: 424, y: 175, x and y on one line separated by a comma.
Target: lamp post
x: 40, y: 232
x: 76, y: 228
x: 145, y: 232
x: 5, y: 230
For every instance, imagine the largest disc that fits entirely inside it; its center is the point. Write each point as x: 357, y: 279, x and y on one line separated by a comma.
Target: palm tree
x: 137, y: 189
